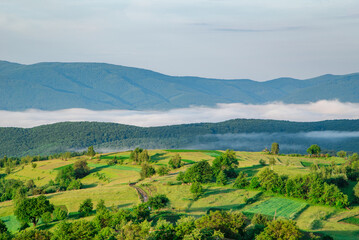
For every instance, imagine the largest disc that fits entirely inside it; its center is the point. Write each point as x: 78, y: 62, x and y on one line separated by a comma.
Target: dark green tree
x: 199, y: 172
x: 158, y: 201
x: 31, y: 209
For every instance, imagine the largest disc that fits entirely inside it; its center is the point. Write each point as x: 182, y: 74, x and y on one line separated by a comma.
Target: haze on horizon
x: 255, y: 39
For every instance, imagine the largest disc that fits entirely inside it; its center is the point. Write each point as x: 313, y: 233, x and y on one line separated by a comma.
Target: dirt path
x: 140, y: 191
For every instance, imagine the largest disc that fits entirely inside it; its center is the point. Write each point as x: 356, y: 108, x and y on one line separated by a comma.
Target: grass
x: 11, y: 223
x: 279, y: 207
x: 188, y: 161
x: 117, y: 167
x: 115, y: 191
x: 352, y: 220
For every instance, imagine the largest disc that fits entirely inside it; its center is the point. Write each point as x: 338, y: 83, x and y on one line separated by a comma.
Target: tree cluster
x: 311, y: 187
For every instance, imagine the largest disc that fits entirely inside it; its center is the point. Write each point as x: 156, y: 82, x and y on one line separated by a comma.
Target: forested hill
x: 98, y: 86
x: 240, y: 134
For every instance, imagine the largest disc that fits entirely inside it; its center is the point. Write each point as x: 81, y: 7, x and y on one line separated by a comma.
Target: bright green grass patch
x: 118, y: 167
x: 308, y: 164
x: 280, y: 207
x: 352, y: 220
x: 11, y: 223
x: 190, y: 150
x: 62, y: 167
x: 110, y: 157
x: 188, y: 161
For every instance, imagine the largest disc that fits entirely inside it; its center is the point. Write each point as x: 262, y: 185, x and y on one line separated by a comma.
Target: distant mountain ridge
x: 100, y: 86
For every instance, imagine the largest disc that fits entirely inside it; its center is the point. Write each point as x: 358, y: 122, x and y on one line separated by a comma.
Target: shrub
x: 147, y: 171
x: 163, y: 170
x: 262, y: 162
x: 158, y: 201
x: 175, y: 161
x: 86, y: 207
x: 241, y: 181
x: 196, y: 190
x: 60, y: 214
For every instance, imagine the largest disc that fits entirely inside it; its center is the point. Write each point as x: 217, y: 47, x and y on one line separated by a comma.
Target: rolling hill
x: 238, y: 134
x: 98, y: 86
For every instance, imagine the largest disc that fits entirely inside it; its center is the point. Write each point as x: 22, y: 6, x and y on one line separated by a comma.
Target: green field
x: 110, y: 182
x: 279, y: 207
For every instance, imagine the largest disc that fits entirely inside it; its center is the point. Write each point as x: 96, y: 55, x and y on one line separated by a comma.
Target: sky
x: 255, y: 39
x: 316, y: 111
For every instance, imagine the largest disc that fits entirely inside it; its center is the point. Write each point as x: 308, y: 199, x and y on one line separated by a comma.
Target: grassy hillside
x: 239, y: 134
x: 117, y: 193
x: 99, y: 86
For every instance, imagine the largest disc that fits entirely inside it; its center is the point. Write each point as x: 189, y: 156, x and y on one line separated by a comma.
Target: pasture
x: 110, y: 183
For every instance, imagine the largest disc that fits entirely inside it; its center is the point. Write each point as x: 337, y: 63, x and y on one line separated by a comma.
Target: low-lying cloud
x: 289, y: 142
x: 317, y: 111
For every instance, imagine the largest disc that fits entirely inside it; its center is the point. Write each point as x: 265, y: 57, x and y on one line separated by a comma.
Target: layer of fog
x: 317, y: 111
x: 288, y: 142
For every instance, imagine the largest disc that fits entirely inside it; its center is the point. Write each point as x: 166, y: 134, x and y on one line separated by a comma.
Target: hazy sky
x: 257, y: 39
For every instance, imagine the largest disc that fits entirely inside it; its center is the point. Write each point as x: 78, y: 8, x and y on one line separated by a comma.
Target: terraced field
x: 279, y: 207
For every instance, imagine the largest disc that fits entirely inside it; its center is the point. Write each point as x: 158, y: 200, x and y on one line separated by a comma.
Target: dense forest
x: 240, y: 134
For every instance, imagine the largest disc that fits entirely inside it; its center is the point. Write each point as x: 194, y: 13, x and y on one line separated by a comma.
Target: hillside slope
x: 238, y: 134
x: 98, y: 86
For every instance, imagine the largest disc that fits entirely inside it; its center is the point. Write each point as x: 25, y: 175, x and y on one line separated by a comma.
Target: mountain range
x: 99, y: 86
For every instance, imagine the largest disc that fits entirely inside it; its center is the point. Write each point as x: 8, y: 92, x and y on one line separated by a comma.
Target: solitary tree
x: 81, y: 169
x: 175, y: 161
x: 91, y: 152
x: 31, y: 209
x: 275, y: 148
x: 314, y: 149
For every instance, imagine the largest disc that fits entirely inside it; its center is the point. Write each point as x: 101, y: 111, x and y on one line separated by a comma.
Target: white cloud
x: 317, y: 111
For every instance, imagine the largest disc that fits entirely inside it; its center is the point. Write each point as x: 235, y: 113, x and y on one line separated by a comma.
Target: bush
x: 241, y: 181
x: 196, y: 190
x: 175, y: 161
x: 259, y: 219
x: 158, y: 201
x: 60, y: 214
x: 74, y: 184
x: 262, y: 162
x: 46, y: 218
x: 86, y: 208
x: 221, y: 178
x: 81, y: 169
x: 280, y: 229
x: 163, y: 170
x: 147, y: 171
x: 50, y: 189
